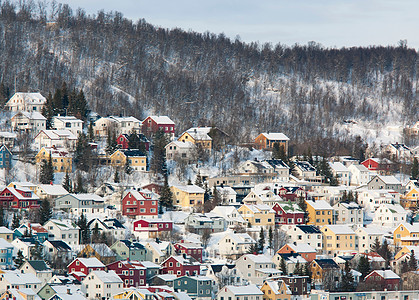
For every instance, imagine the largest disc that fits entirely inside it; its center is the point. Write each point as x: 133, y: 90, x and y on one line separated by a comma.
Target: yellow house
x: 187, y: 196
x: 267, y: 140
x: 61, y: 159
x: 258, y: 214
x: 319, y: 267
x: 319, y: 212
x: 410, y: 200
x: 406, y: 249
x: 198, y: 136
x: 406, y: 235
x: 338, y: 239
x: 136, y: 159
x: 275, y: 290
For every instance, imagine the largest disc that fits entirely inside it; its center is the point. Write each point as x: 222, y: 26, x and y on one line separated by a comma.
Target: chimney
x: 68, y: 291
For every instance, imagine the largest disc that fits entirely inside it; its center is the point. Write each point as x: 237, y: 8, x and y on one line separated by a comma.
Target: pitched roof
x: 190, y: 188
x: 162, y: 120
x: 340, y: 229
x: 108, y: 277
x: 386, y: 274
x: 91, y: 262
x: 338, y: 167
x: 39, y: 265
x: 319, y: 204
x: 302, y: 248
x: 250, y: 289
x: 327, y: 263
x: 276, y: 136
x: 60, y: 245
x: 309, y: 228
x: 305, y: 166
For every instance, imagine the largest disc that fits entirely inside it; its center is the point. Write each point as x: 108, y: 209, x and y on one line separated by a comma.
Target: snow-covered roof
x: 388, y: 179
x: 190, y: 188
x: 199, y: 133
x: 359, y: 167
x: 241, y: 238
x: 411, y: 227
x: 256, y: 208
x: 91, y: 262
x: 302, y: 248
x: 34, y: 115
x: 180, y: 144
x: 5, y: 230
x: 108, y: 277
x: 340, y: 229
x: 20, y: 196
x: 275, y: 136
x: 18, y: 278
x: 250, y: 289
x: 93, y: 197
x: 371, y: 230
x: 5, y: 244
x: 6, y: 134
x: 162, y: 120
x: 53, y: 189
x: 58, y: 134
x: 319, y: 204
x: 30, y: 98
x: 351, y: 205
x: 260, y: 258
x: 386, y: 274
x: 394, y: 208
x: 69, y: 119
x: 338, y: 167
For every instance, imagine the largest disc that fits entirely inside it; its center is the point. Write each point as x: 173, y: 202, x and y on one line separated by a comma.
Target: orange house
x: 411, y: 199
x: 406, y: 234
x: 303, y: 249
x: 267, y: 140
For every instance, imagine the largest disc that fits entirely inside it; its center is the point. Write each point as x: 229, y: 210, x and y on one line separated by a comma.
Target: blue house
x: 197, y: 287
x: 5, y: 158
x: 35, y: 230
x: 6, y: 253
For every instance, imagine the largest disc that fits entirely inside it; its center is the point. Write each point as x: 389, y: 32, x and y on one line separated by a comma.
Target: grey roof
x: 39, y: 265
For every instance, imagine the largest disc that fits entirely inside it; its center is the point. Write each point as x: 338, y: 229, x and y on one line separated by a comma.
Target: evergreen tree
x: 79, y: 189
x: 91, y: 134
x: 48, y: 111
x: 46, y: 175
x: 111, y: 144
x: 364, y: 266
x: 198, y: 180
x: 189, y: 182
x: 297, y: 269
x: 376, y: 246
x: 166, y: 195
x: 15, y: 221
x: 347, y: 283
x: 19, y: 260
x: 116, y: 176
x: 216, y: 197
x: 283, y: 266
x: 45, y: 211
x: 252, y: 249
x: 127, y: 168
x: 96, y: 233
x: 2, y: 223
x: 278, y: 152
x: 83, y: 156
x: 261, y: 241
x: 307, y: 271
x: 158, y: 162
x: 303, y: 205
x: 385, y: 252
x: 413, y: 264
x: 271, y: 238
x: 84, y: 230
x: 404, y: 268
x: 415, y: 169
x: 67, y: 183
x: 37, y: 252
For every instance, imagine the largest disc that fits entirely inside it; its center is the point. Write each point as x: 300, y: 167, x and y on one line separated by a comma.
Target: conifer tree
x: 198, y: 180
x: 84, y: 230
x: 376, y: 246
x: 364, y: 266
x: 79, y: 189
x: 116, y: 176
x: 15, y: 221
x: 415, y: 169
x: 91, y: 134
x: 48, y: 111
x: 127, y: 168
x: 297, y: 269
x: 261, y: 241
x: 166, y: 195
x: 158, y: 162
x: 83, y: 156
x: 413, y: 264
x: 2, y: 223
x: 45, y: 211
x: 271, y: 238
x: 111, y: 144
x: 67, y: 183
x: 19, y: 260
x: 46, y: 175
x: 348, y: 282
x: 96, y: 233
x: 283, y: 266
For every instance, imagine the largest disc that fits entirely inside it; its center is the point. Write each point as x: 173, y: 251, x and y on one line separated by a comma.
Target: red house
x: 383, y: 279
x: 288, y: 213
x: 18, y: 198
x: 305, y: 250
x: 192, y: 249
x: 81, y: 267
x: 152, y: 228
x: 152, y: 124
x: 181, y: 265
x: 140, y: 204
x: 123, y: 140
x: 291, y: 193
x: 383, y: 166
x: 154, y: 187
x: 132, y: 273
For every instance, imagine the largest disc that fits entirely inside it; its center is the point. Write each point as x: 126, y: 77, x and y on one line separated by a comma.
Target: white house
x: 244, y: 292
x: 250, y: 264
x: 306, y: 171
x: 38, y: 268
x: 228, y: 195
x: 233, y: 245
x: 29, y: 102
x: 308, y: 234
x: 121, y: 125
x: 101, y: 285
x: 360, y: 175
x: 372, y: 199
x: 55, y: 138
x: 25, y: 245
x: 63, y: 230
x: 366, y: 237
x: 29, y: 122
x: 266, y: 197
x: 231, y: 215
x: 70, y: 123
x: 18, y: 280
x: 348, y: 213
x: 341, y: 172
x: 177, y: 150
x: 389, y: 215
x: 381, y: 182
x: 110, y: 226
x: 50, y: 191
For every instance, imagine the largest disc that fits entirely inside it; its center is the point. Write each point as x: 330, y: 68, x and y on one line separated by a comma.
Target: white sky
x: 329, y: 22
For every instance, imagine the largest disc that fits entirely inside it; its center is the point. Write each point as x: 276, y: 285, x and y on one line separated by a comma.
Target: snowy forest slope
x: 205, y: 79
